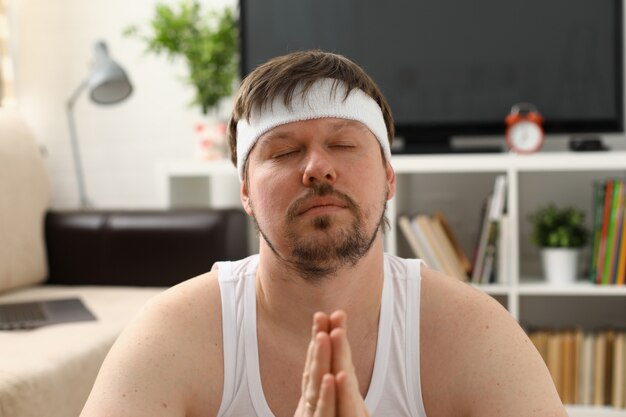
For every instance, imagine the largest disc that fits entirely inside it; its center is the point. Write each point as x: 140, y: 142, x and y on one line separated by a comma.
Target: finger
x: 320, y: 365
x: 349, y: 400
x: 341, y: 353
x: 321, y: 323
x: 307, y: 366
x: 338, y: 319
x: 326, y: 402
x: 350, y: 396
x: 304, y: 409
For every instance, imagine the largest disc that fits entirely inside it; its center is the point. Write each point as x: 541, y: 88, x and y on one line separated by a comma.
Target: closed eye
x: 284, y: 153
x: 342, y: 145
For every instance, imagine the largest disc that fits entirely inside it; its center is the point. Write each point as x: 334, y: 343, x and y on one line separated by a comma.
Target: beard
x: 331, y: 246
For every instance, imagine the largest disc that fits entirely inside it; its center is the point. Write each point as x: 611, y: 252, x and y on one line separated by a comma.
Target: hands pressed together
x: 329, y: 384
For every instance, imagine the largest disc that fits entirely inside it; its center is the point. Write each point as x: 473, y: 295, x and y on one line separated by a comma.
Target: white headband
x: 320, y: 102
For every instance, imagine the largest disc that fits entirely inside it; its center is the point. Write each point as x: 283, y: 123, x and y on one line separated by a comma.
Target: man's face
x: 317, y: 191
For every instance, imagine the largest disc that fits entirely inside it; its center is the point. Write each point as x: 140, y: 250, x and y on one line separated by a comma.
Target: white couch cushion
x: 24, y: 197
x: 50, y: 371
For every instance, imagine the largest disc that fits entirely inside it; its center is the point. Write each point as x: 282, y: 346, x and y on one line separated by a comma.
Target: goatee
x: 315, y: 258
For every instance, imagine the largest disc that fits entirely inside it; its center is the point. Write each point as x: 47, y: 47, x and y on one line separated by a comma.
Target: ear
x: 391, y: 180
x: 245, y: 197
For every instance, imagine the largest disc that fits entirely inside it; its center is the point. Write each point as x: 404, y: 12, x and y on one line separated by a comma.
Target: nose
x: 318, y: 168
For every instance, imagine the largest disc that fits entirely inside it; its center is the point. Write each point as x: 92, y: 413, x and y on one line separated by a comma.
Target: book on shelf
x: 424, y: 226
x: 614, y: 218
x: 448, y: 249
x: 568, y: 366
x: 599, y: 370
x: 481, y: 244
x: 555, y: 361
x: 598, y: 213
x: 620, y: 272
x: 604, y: 229
x: 617, y: 238
x: 619, y: 362
x: 578, y: 344
x: 608, y: 256
x: 609, y: 370
x: 429, y: 255
x: 487, y: 273
x: 503, y: 259
x: 417, y: 241
x: 485, y: 259
x: 430, y: 241
x: 411, y: 237
x: 441, y: 218
x: 588, y: 368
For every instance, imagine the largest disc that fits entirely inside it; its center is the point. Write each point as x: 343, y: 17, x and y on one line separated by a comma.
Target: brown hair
x: 281, y: 75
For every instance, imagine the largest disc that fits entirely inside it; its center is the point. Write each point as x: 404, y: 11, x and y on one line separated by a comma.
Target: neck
x: 290, y: 300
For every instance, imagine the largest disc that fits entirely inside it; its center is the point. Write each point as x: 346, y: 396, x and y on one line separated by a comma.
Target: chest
x: 281, y: 364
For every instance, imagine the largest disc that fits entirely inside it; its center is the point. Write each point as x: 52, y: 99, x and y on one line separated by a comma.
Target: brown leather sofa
x: 154, y: 248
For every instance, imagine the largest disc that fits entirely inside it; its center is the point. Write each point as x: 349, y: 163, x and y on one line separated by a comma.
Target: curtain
x: 7, y: 95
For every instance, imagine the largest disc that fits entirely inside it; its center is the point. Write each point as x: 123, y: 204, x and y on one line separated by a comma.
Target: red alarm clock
x: 524, y: 129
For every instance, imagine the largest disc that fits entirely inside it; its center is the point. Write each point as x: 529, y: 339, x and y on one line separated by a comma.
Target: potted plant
x: 208, y: 42
x: 560, y: 233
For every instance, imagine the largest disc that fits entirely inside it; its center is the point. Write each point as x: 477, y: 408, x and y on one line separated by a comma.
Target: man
x: 321, y: 322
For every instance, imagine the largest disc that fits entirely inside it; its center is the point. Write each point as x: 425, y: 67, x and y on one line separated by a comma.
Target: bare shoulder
x: 169, y: 360
x: 476, y: 360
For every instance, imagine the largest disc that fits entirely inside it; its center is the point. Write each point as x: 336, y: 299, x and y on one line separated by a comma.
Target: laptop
x: 33, y: 314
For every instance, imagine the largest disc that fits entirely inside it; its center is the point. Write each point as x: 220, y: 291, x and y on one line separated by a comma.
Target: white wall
x: 120, y: 144
x: 53, y: 43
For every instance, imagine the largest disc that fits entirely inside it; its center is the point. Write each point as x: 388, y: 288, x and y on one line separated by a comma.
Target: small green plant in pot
x: 560, y: 233
x: 208, y: 42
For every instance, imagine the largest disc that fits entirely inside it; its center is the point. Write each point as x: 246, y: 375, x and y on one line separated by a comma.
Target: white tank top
x: 395, y: 388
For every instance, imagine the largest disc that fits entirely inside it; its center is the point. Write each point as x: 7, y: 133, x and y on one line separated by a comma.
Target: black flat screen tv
x: 454, y: 68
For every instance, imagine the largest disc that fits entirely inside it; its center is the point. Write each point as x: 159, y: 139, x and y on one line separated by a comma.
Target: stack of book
x: 587, y: 368
x: 432, y: 240
x: 608, y: 263
x: 491, y: 256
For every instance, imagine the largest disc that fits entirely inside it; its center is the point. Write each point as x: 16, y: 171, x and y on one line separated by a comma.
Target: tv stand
x: 439, y: 145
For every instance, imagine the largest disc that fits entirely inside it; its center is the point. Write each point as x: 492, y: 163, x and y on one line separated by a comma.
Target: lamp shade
x: 108, y: 84
x: 107, y: 81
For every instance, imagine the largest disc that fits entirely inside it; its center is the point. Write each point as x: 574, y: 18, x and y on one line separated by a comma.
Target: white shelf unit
x: 516, y: 168
x: 532, y: 181
x: 459, y: 183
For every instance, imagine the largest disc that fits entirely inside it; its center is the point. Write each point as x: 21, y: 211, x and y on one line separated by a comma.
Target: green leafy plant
x: 558, y: 228
x: 208, y: 41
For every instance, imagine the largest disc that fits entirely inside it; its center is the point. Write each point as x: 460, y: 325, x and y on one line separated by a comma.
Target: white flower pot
x: 560, y: 265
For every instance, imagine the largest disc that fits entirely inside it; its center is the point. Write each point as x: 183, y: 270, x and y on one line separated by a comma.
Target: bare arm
x: 475, y: 354
x: 168, y: 362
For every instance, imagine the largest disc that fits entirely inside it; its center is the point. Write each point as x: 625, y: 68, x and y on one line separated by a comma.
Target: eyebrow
x: 268, y: 137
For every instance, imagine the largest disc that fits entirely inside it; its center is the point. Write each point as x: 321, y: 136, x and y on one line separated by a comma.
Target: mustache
x: 321, y: 190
